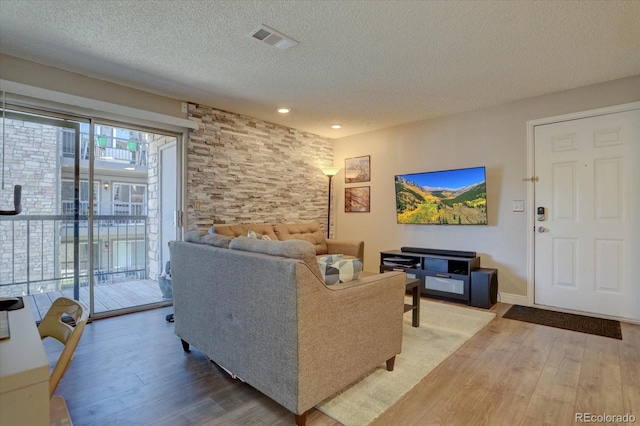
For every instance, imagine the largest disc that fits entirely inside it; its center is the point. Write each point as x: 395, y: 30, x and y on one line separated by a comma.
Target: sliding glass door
x: 91, y: 223
x: 127, y: 220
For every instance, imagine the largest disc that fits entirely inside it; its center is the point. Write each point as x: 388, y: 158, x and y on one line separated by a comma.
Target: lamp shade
x: 330, y: 171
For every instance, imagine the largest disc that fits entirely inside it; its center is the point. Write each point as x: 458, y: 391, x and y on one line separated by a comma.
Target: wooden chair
x: 53, y: 326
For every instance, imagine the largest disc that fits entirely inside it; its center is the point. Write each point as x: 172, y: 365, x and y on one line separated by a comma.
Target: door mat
x: 573, y: 322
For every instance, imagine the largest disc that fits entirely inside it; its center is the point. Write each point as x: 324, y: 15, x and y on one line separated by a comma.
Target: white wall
x: 494, y: 137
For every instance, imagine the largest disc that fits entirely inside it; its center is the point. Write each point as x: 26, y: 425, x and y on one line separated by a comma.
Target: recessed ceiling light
x: 336, y: 126
x: 283, y: 110
x: 129, y: 168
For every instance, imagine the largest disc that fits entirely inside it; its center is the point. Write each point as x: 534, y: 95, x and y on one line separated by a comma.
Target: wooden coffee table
x: 413, y: 284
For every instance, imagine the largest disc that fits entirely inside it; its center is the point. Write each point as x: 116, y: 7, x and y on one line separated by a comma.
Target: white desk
x: 24, y: 373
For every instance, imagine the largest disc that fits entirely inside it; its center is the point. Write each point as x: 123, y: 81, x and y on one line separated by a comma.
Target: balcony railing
x: 124, y: 211
x: 110, y: 149
x: 38, y: 252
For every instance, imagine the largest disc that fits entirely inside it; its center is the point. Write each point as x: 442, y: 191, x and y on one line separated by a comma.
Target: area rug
x: 581, y: 323
x: 443, y: 329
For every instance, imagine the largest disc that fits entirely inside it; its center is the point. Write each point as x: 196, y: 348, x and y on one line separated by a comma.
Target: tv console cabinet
x: 442, y: 273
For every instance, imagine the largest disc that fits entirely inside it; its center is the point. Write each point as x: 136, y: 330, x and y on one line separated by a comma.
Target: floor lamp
x: 330, y: 172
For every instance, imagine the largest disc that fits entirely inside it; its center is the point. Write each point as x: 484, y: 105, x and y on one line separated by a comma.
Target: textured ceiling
x: 364, y: 64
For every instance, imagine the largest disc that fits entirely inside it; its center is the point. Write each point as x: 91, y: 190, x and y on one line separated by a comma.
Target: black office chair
x: 17, y: 207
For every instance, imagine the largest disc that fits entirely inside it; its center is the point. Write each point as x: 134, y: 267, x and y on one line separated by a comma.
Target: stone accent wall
x: 244, y: 170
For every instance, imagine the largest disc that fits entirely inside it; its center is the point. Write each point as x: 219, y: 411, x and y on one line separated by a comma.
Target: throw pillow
x: 341, y: 271
x: 256, y: 236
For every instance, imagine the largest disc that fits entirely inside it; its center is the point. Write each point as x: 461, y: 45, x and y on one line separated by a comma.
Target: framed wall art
x: 357, y: 200
x: 357, y: 169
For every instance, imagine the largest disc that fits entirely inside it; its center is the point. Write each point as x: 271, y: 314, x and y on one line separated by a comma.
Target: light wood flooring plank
x: 600, y: 387
x: 553, y: 400
x: 630, y: 367
x: 515, y: 385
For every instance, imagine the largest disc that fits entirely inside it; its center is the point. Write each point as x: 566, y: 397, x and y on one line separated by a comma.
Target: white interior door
x: 587, y: 248
x: 169, y: 199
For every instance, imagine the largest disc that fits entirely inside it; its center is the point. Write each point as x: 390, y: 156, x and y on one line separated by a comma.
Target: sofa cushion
x: 216, y: 240
x: 310, y: 232
x: 294, y: 249
x: 243, y: 229
x: 341, y: 271
x: 194, y: 236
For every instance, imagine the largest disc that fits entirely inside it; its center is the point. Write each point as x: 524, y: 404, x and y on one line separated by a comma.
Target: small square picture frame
x: 357, y: 169
x: 357, y: 199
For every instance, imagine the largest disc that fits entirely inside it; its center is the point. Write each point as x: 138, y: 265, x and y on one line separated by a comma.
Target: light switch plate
x: 517, y: 205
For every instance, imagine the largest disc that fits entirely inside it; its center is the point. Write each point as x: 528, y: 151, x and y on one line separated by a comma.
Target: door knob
x: 541, y: 229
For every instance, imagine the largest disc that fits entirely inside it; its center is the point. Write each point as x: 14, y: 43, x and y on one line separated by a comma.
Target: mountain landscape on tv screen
x: 421, y: 204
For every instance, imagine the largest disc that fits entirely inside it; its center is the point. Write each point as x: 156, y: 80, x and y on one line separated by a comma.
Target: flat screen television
x: 448, y: 197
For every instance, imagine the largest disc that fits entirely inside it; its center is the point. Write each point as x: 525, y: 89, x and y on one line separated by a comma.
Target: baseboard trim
x: 514, y: 299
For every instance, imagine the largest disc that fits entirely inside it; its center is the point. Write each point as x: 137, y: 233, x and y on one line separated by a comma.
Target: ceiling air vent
x: 273, y: 38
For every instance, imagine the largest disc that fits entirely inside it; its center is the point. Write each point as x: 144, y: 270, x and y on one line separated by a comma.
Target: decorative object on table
x: 357, y: 199
x: 330, y: 172
x: 357, y: 169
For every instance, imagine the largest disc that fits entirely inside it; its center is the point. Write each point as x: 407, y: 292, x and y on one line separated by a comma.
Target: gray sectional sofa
x: 260, y: 310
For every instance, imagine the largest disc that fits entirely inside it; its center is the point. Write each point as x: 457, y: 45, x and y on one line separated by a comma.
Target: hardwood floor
x: 131, y: 370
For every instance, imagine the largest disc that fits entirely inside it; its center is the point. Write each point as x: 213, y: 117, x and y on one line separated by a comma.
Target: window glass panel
x: 137, y: 193
x: 67, y: 190
x: 68, y: 142
x: 84, y: 191
x: 121, y: 192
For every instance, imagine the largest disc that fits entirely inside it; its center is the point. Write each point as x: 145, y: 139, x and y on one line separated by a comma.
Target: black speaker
x: 484, y: 287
